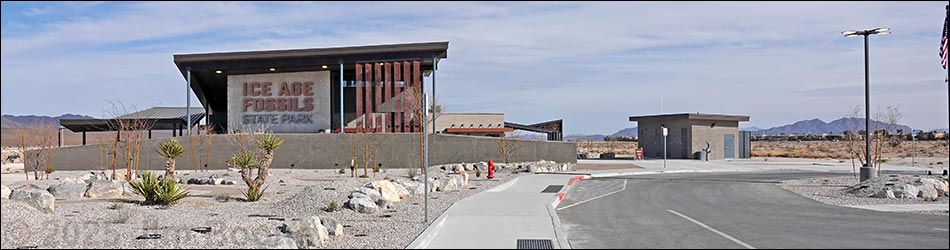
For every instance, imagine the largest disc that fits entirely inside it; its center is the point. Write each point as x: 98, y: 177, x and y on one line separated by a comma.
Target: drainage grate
x: 552, y: 189
x: 535, y: 244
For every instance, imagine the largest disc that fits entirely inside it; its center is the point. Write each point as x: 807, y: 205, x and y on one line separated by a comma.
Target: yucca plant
x: 254, y: 194
x: 171, y: 150
x: 158, y: 192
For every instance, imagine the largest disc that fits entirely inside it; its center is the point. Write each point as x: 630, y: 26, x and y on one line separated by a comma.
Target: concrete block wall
x: 703, y: 132
x: 650, y: 136
x: 320, y: 151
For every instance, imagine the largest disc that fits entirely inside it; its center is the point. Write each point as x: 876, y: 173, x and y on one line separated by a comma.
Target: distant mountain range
x: 27, y: 121
x: 817, y: 126
x: 813, y: 126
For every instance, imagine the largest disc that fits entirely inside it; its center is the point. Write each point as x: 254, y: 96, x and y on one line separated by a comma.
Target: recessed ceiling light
x: 217, y: 72
x: 324, y: 66
x: 273, y: 69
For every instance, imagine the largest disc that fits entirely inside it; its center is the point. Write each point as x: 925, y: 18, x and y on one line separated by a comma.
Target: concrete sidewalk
x: 498, y: 217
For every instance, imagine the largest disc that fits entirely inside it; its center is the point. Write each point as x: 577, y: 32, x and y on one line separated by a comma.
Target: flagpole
x: 947, y: 67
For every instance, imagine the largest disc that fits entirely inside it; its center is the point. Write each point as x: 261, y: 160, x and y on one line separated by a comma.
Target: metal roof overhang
x: 693, y: 116
x: 102, y: 125
x: 211, y: 86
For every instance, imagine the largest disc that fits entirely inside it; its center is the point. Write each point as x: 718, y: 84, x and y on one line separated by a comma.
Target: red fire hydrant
x: 491, y: 169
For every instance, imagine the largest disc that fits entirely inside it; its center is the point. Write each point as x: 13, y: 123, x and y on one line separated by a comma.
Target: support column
x: 359, y: 97
x: 417, y: 86
x: 377, y: 98
x: 407, y: 85
x: 368, y: 96
x: 342, y: 85
x: 188, y: 102
x: 435, y: 67
x: 83, y: 138
x: 149, y: 134
x: 397, y: 89
x: 387, y: 96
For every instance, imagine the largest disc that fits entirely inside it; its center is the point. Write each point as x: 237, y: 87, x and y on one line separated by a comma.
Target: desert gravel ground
x: 234, y: 223
x: 833, y: 191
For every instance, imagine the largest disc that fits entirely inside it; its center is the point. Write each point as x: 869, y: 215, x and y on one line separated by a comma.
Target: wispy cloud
x: 592, y: 64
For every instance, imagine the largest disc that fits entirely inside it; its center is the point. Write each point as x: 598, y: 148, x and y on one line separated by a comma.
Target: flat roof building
x: 357, y: 89
x: 689, y: 134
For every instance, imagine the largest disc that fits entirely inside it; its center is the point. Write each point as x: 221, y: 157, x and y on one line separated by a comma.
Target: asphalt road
x: 731, y: 210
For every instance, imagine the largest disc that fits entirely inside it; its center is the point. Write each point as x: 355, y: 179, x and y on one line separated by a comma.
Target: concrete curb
x: 422, y: 241
x: 562, y: 241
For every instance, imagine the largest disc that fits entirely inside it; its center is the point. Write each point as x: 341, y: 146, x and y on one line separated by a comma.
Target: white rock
x: 468, y: 167
x: 275, y: 242
x: 401, y: 190
x: 908, y: 191
x: 889, y: 194
x: 939, y: 185
x: 452, y: 183
x: 36, y: 197
x: 307, y: 231
x: 386, y: 190
x: 5, y: 192
x: 362, y: 204
x: 414, y: 187
x: 105, y: 190
x: 334, y: 227
x: 369, y: 192
x: 464, y: 178
x: 928, y: 192
x: 68, y: 190
x: 482, y: 165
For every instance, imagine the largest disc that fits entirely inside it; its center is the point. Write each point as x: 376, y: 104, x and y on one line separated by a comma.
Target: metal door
x: 729, y: 146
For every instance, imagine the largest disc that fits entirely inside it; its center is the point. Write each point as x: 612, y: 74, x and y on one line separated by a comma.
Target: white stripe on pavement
x: 598, y: 197
x: 737, y: 241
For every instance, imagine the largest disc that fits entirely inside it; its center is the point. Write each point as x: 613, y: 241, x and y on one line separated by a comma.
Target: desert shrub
x: 478, y: 172
x: 158, y: 192
x: 116, y: 206
x: 222, y: 198
x: 364, y: 176
x: 342, y: 171
x: 412, y: 172
x: 332, y: 206
x: 151, y: 223
x: 254, y: 194
x: 123, y: 217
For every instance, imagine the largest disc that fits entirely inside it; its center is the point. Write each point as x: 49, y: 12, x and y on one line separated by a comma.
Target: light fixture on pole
x: 866, y: 170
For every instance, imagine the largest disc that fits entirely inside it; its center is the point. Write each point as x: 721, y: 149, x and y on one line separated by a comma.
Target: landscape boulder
x: 886, y: 193
x: 451, y: 183
x: 482, y: 166
x: 5, y: 192
x: 275, y: 242
x: 362, y: 204
x: 307, y: 232
x: 93, y: 177
x: 414, y: 187
x: 435, y: 183
x: 105, y: 190
x: 368, y: 192
x: 384, y: 204
x: 907, y: 191
x: 68, y: 190
x: 36, y: 197
x: 334, y: 227
x: 939, y: 185
x: 928, y: 192
x: 401, y: 190
x: 386, y: 190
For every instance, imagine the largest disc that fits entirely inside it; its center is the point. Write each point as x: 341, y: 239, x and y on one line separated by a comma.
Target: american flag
x: 943, y: 44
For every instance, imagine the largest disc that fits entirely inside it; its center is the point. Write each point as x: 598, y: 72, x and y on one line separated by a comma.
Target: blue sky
x: 592, y: 64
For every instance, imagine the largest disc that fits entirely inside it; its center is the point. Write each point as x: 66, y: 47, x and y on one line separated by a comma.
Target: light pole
x: 665, y: 133
x: 866, y: 170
